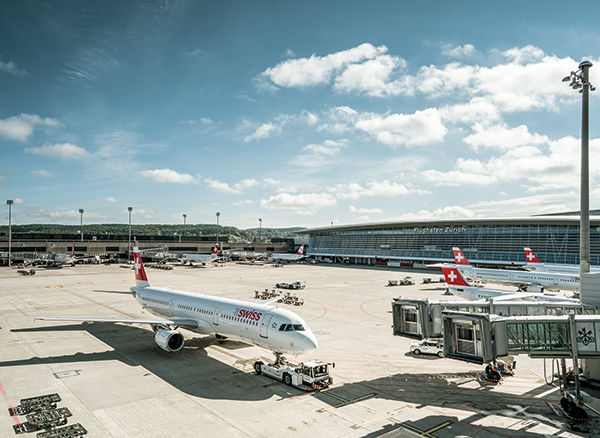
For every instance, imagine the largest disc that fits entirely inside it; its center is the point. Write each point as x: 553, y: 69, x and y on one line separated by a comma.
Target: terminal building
x: 487, y: 241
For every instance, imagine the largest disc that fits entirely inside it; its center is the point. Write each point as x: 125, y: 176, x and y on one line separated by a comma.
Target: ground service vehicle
x: 428, y: 347
x: 294, y: 285
x: 308, y: 376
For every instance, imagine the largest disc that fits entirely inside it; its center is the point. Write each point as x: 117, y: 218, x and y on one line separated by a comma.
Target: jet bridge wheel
x: 258, y: 367
x: 574, y: 412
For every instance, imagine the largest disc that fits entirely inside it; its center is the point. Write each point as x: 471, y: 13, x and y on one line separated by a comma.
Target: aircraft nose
x: 309, y: 343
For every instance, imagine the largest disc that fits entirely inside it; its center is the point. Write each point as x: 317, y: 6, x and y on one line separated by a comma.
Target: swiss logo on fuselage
x: 252, y: 315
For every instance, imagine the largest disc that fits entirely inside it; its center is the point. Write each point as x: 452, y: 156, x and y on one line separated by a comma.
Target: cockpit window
x: 291, y: 328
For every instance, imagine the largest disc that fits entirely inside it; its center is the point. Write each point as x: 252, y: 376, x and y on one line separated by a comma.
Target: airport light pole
x: 259, y: 229
x: 184, y: 216
x: 129, y: 209
x: 580, y: 81
x: 218, y: 214
x: 81, y: 223
x: 10, y: 203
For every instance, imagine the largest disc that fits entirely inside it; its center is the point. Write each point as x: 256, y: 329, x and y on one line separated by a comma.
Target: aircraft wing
x: 174, y: 321
x: 515, y: 296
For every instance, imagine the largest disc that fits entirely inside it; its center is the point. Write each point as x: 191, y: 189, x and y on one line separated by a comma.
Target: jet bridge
x: 493, y: 336
x: 421, y: 319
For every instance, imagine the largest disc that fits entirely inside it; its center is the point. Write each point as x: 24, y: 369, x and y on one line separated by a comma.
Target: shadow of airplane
x: 190, y: 370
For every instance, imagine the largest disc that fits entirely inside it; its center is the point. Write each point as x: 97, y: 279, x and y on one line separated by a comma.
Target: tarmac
x: 118, y: 383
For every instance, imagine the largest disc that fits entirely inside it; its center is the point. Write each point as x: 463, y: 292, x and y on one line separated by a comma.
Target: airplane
x: 535, y: 264
x: 261, y: 324
x: 57, y: 260
x: 526, y: 281
x: 458, y: 285
x: 200, y: 257
x: 289, y: 257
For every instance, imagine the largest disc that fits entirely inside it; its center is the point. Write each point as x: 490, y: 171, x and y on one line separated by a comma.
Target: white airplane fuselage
x: 263, y: 325
x: 477, y: 293
x: 549, y: 281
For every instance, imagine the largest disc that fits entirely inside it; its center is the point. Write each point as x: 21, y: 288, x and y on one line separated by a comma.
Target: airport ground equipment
x: 43, y: 420
x: 404, y: 282
x: 72, y: 431
x: 287, y: 297
x: 294, y: 285
x: 308, y: 376
x: 429, y: 280
x: 26, y: 271
x: 35, y: 404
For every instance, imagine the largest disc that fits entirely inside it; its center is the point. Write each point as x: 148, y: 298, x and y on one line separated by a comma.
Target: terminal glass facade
x: 555, y: 240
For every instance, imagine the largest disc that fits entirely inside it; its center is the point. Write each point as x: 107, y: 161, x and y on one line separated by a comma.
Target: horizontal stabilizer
x: 129, y: 292
x: 271, y: 300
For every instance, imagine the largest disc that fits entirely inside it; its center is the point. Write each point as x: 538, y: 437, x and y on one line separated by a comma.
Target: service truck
x: 308, y: 376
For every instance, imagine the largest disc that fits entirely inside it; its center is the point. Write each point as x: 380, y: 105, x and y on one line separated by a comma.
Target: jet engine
x: 169, y: 340
x: 533, y: 288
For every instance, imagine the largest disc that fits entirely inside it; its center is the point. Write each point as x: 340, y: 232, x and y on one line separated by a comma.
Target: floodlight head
x: 592, y: 88
x: 566, y: 79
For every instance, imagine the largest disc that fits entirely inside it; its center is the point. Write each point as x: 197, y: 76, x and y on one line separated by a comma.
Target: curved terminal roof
x: 471, y: 221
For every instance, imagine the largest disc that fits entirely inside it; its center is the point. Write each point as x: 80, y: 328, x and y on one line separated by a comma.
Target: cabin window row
x: 195, y: 309
x: 236, y: 319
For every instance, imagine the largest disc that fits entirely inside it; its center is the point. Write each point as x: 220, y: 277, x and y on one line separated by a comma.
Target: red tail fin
x: 73, y: 250
x: 459, y: 257
x: 531, y: 257
x: 454, y: 277
x: 300, y: 250
x: 141, y: 279
x: 215, y: 249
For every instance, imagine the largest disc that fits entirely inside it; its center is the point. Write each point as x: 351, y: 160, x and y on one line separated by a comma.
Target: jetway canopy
x: 420, y: 319
x: 483, y: 338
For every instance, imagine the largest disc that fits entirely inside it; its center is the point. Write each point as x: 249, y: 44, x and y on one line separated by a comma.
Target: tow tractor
x: 308, y: 376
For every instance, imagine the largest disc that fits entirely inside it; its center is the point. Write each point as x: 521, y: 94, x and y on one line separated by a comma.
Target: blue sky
x: 299, y: 113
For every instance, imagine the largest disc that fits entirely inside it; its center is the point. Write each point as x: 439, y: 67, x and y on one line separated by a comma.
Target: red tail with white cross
x: 459, y: 257
x: 140, y: 273
x: 454, y: 277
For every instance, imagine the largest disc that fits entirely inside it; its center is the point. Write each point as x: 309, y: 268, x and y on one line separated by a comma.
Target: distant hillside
x: 234, y: 234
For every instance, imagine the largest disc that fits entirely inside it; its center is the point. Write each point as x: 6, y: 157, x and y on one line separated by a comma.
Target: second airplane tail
x: 141, y: 279
x: 454, y: 277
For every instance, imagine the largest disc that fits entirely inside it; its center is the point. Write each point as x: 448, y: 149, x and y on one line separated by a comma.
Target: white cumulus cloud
x: 307, y: 201
x: 21, y: 127
x: 168, y: 176
x: 65, y: 151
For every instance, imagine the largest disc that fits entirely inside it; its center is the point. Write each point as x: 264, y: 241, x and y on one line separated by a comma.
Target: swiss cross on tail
x: 460, y: 258
x: 215, y: 249
x: 300, y: 250
x: 454, y: 277
x: 531, y: 257
x: 140, y: 273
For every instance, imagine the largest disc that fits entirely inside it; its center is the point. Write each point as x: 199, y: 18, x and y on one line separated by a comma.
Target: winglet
x: 460, y: 258
x: 141, y: 279
x: 454, y: 277
x: 531, y: 257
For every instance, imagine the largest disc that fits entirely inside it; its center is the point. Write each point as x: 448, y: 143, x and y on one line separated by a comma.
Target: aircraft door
x: 171, y: 307
x: 216, y: 314
x: 264, y: 326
